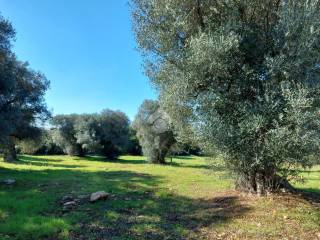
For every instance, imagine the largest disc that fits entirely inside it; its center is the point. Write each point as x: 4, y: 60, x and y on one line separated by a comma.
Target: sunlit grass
x: 181, y: 200
x: 311, y: 180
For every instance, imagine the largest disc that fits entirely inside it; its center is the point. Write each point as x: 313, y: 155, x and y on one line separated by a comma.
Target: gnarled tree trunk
x: 261, y: 183
x: 159, y: 154
x: 79, y: 150
x: 157, y: 157
x: 9, y: 152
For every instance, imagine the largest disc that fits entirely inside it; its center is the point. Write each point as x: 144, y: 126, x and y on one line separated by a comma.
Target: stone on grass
x: 69, y: 204
x: 98, y: 196
x: 67, y: 198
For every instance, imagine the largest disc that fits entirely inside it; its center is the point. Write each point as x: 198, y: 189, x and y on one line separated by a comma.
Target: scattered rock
x: 69, y: 204
x: 98, y: 196
x: 67, y: 198
x: 9, y: 181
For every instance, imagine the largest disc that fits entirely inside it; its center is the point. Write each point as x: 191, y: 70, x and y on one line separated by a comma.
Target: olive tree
x: 154, y: 131
x: 242, y: 75
x: 113, y: 132
x: 133, y: 147
x: 106, y: 133
x: 43, y: 144
x: 22, y: 90
x: 65, y: 134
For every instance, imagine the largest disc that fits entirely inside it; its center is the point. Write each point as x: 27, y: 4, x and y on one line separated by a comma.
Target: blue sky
x: 86, y: 49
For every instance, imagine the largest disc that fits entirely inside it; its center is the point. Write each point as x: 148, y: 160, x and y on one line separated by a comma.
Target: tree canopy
x: 22, y: 105
x: 65, y: 134
x: 154, y: 131
x: 243, y: 75
x: 106, y: 133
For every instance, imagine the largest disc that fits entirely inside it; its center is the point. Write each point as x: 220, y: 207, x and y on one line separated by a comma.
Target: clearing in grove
x: 184, y: 199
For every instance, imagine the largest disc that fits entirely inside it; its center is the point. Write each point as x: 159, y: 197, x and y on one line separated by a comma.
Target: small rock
x: 68, y: 204
x: 9, y: 181
x: 67, y: 198
x: 285, y: 217
x: 98, y: 196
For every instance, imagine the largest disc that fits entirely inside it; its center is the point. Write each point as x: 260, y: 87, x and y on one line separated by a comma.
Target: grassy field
x: 182, y: 200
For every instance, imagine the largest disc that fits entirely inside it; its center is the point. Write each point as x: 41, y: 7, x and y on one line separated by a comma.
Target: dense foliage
x: 106, y: 133
x: 154, y: 131
x: 22, y: 90
x: 133, y: 147
x: 43, y: 144
x: 65, y: 134
x: 243, y: 74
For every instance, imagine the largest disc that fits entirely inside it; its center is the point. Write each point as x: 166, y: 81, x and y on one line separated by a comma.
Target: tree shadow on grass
x: 118, y: 160
x: 143, y: 161
x: 168, y: 216
x: 168, y: 163
x: 185, y: 157
x: 138, y: 207
x: 43, y: 162
x: 312, y: 194
x: 135, y: 161
x: 196, y: 166
x: 36, y: 158
x: 92, y: 158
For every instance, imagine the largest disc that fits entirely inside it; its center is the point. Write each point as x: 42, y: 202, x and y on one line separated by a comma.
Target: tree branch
x: 200, y: 15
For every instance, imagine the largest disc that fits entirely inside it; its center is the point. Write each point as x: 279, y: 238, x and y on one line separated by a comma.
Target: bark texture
x: 261, y: 183
x: 9, y: 152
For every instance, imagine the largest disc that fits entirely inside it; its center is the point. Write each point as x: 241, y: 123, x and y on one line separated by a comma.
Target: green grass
x: 312, y: 183
x: 182, y: 200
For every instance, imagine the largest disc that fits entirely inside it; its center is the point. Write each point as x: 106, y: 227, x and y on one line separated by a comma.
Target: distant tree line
x: 108, y: 134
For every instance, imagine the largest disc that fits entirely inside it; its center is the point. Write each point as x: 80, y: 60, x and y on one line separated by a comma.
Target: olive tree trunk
x: 261, y: 183
x: 157, y: 157
x: 9, y: 152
